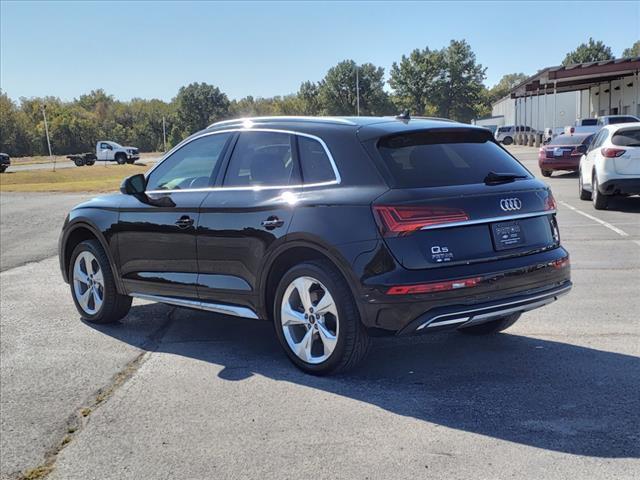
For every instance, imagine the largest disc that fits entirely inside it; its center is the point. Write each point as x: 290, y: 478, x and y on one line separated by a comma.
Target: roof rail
x: 334, y: 120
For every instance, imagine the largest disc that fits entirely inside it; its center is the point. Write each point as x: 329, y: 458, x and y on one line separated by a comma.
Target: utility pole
x: 164, y: 134
x: 46, y: 129
x: 357, y: 91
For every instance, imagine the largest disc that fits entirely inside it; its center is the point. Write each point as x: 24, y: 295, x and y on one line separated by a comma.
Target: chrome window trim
x: 338, y: 178
x: 489, y: 220
x: 235, y: 310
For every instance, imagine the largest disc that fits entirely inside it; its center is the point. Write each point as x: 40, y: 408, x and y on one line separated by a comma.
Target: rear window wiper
x: 494, y: 177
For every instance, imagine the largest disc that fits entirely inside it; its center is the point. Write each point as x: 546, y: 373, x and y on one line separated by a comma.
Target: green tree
x: 197, y: 106
x: 592, y: 51
x: 337, y: 91
x: 309, y: 98
x: 632, y: 51
x: 413, y: 80
x: 504, y: 86
x: 14, y: 137
x: 457, y: 91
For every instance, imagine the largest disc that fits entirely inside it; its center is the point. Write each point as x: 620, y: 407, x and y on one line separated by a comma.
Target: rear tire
x: 121, y: 158
x: 79, y: 162
x: 546, y: 173
x: 3, y: 168
x: 93, y: 286
x: 90, y: 162
x: 584, y: 194
x: 599, y: 200
x: 507, y: 141
x: 335, y: 340
x: 494, y: 326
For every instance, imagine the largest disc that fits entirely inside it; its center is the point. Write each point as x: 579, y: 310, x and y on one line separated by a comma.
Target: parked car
x: 584, y: 125
x: 332, y: 228
x: 563, y: 153
x: 614, y: 119
x: 5, y: 162
x: 106, y: 151
x: 611, y: 165
x: 506, y: 134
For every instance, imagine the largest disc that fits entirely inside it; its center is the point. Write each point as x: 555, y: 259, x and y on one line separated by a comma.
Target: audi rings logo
x: 510, y: 204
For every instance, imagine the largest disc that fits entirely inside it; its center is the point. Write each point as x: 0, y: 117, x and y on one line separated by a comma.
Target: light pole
x: 357, y: 91
x: 46, y: 129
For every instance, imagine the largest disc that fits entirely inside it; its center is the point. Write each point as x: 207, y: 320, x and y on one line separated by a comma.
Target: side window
x: 191, y: 166
x: 594, y: 142
x: 602, y: 136
x: 315, y: 163
x: 105, y: 146
x: 261, y: 159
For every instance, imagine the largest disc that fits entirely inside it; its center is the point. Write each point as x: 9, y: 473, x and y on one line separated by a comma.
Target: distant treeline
x: 445, y: 83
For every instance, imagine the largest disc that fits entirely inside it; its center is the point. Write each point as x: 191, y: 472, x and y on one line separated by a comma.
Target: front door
x: 157, y: 231
x: 243, y: 218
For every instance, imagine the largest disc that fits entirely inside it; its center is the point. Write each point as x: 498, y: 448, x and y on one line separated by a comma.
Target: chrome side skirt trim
x: 234, y: 310
x: 469, y: 318
x: 489, y: 220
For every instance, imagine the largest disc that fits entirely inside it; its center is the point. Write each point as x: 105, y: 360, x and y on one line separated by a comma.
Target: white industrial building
x: 558, y: 96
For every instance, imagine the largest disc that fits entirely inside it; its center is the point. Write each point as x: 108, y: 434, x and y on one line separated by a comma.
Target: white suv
x: 611, y: 165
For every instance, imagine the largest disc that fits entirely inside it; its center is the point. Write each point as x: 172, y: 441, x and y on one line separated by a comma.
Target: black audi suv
x: 334, y: 229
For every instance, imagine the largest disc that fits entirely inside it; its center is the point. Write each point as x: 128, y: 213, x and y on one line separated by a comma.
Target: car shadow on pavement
x: 541, y: 393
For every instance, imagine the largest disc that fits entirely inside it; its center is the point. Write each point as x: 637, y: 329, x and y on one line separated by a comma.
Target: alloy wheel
x: 88, y: 283
x: 309, y: 317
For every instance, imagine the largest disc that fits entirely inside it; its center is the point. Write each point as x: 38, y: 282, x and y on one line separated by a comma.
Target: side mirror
x: 134, y: 185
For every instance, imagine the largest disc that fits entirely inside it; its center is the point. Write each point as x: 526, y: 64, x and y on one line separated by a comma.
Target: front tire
x: 546, y: 173
x: 507, y: 141
x: 317, y: 321
x: 121, y: 159
x: 93, y: 286
x: 599, y: 200
x: 494, y: 326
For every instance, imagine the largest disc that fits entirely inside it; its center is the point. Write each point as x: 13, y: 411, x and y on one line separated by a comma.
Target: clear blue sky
x: 150, y: 49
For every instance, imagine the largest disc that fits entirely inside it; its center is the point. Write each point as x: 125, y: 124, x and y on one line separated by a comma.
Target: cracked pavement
x: 214, y: 397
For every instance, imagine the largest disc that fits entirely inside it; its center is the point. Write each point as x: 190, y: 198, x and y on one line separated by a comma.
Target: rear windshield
x: 588, y: 122
x: 614, y: 120
x: 627, y: 138
x: 442, y: 158
x: 570, y: 139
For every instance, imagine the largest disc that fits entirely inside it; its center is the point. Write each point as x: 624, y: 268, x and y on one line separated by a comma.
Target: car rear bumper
x: 560, y: 164
x: 461, y: 316
x: 617, y: 186
x: 498, y: 282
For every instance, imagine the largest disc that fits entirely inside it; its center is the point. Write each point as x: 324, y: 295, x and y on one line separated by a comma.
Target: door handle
x: 272, y: 222
x: 184, y: 222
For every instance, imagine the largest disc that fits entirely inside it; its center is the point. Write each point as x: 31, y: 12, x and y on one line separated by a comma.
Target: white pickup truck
x: 106, y: 151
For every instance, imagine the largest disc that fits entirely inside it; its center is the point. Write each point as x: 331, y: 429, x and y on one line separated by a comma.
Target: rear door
x: 156, y: 232
x: 246, y: 215
x: 440, y: 211
x: 626, y: 145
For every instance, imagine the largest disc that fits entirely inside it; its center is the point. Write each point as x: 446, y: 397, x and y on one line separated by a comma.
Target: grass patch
x: 97, y: 178
x: 39, y: 159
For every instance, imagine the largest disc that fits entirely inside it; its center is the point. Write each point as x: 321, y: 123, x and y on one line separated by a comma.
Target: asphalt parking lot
x: 171, y: 393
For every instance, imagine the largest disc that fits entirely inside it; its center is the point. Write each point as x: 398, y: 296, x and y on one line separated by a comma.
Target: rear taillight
x: 562, y: 263
x: 434, y: 287
x: 396, y: 221
x: 542, y: 153
x: 612, y: 152
x: 550, y: 202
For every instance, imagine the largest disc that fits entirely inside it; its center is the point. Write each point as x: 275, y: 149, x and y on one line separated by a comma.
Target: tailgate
x: 466, y: 224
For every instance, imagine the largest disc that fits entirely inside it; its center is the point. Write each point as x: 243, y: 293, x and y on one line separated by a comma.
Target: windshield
x: 442, y: 158
x: 570, y: 140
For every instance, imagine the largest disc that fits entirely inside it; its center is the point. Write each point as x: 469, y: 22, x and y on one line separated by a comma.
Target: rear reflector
x: 433, y: 287
x: 395, y: 221
x: 612, y: 152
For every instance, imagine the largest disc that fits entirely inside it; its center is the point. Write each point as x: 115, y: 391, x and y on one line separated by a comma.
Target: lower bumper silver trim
x: 234, y: 310
x: 475, y: 315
